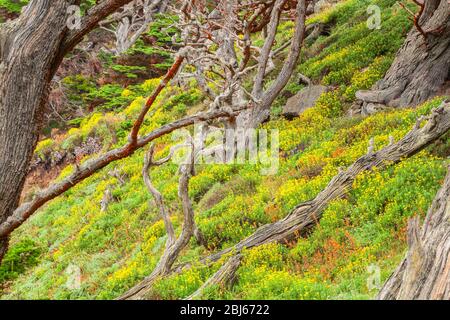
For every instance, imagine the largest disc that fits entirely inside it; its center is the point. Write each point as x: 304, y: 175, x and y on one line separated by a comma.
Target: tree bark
x: 424, y: 274
x: 421, y: 66
x: 28, y: 52
x: 262, y: 111
x: 4, y: 242
x: 31, y: 50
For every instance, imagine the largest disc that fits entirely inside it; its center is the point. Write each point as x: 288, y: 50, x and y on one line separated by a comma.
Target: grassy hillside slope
x: 117, y: 248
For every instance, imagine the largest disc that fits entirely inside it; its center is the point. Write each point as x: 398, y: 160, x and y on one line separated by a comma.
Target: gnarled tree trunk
x: 421, y: 67
x: 425, y: 272
x: 29, y: 52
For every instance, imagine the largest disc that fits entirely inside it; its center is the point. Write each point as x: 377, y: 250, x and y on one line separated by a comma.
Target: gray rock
x: 372, y: 108
x: 323, y: 4
x: 304, y: 99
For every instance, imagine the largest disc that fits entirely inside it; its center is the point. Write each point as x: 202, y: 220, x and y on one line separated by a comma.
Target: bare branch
x: 173, y: 245
x: 148, y: 163
x: 306, y: 215
x: 132, y: 21
x: 89, y: 22
x: 267, y: 48
x: 288, y: 67
x: 169, y: 76
x: 87, y: 169
x: 107, y: 198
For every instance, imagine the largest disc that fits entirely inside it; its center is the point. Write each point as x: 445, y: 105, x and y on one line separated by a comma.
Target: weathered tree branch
x: 421, y: 67
x: 89, y: 22
x: 261, y: 113
x: 306, y: 215
x: 148, y: 163
x: 133, y: 20
x: 267, y: 48
x: 23, y: 212
x: 173, y: 245
x: 169, y: 76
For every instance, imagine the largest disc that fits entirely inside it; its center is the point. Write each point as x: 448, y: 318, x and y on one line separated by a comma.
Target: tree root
x: 420, y: 69
x: 380, y: 96
x: 199, y: 237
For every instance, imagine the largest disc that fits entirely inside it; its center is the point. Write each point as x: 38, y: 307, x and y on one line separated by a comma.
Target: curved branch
x: 148, y: 163
x: 22, y: 213
x: 169, y: 76
x: 380, y: 96
x: 306, y: 215
x: 225, y: 276
x: 89, y: 22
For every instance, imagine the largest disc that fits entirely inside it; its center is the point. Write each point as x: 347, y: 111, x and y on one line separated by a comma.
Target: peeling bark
x: 27, y: 62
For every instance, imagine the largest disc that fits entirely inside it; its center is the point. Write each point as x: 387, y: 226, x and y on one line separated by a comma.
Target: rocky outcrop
x: 304, y: 99
x: 323, y: 4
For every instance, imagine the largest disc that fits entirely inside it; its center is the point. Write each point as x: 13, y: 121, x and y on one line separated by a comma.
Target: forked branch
x: 90, y: 21
x: 173, y: 245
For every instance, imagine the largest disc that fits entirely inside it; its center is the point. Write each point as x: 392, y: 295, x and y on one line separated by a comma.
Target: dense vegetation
x: 118, y: 247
